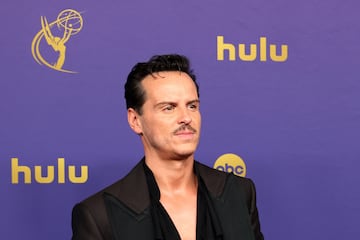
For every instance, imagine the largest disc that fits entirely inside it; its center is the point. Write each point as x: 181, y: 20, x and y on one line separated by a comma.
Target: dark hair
x: 134, y: 92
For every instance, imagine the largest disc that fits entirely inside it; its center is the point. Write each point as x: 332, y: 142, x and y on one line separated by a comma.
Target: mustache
x: 185, y: 127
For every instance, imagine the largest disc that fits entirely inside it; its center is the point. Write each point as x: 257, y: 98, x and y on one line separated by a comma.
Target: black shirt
x: 207, y: 223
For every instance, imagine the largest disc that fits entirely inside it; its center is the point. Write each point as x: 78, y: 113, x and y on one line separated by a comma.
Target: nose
x: 184, y: 116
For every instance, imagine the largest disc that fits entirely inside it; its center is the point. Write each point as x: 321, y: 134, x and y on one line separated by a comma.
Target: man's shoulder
x: 97, y: 198
x: 216, y: 181
x: 126, y: 190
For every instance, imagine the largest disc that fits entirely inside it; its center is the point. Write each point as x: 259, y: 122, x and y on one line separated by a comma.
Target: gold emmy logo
x: 69, y: 22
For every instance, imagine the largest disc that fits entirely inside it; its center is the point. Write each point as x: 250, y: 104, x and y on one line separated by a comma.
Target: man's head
x: 135, y: 94
x: 163, y: 107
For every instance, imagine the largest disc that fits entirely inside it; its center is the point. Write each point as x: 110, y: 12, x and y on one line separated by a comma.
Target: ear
x: 134, y: 121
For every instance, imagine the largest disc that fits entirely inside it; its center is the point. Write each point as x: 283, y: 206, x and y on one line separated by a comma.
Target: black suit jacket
x: 121, y: 211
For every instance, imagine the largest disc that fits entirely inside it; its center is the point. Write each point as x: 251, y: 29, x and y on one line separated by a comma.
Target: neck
x: 174, y: 176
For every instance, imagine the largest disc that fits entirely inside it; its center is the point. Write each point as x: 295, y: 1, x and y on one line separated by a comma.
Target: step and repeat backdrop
x: 280, y: 102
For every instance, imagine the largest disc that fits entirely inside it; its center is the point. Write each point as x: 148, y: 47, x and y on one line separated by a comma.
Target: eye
x: 193, y: 106
x: 168, y: 108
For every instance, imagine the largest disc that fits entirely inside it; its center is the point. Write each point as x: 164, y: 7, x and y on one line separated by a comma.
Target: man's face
x: 170, y: 121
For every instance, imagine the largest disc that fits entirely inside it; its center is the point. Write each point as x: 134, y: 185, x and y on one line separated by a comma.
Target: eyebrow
x: 194, y: 101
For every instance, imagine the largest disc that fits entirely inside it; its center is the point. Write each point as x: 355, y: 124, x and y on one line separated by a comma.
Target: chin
x: 184, y: 154
x: 184, y: 150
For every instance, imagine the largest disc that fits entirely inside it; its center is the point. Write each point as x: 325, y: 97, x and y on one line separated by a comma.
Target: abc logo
x: 231, y: 163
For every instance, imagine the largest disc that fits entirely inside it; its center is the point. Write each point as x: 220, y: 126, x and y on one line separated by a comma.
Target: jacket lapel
x: 127, y: 203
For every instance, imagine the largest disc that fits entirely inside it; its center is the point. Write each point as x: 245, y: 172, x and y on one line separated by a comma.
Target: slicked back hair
x: 135, y: 94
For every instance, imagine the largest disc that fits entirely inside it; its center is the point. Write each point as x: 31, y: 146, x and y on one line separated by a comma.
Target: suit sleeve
x: 83, y: 224
x: 253, y: 211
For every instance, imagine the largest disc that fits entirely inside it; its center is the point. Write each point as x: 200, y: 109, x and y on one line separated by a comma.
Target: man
x: 168, y: 195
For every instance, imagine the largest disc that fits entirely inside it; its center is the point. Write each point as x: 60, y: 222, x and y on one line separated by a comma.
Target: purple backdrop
x: 295, y: 122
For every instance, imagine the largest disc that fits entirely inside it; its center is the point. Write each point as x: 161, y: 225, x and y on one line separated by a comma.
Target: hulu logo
x: 262, y: 50
x: 47, y: 176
